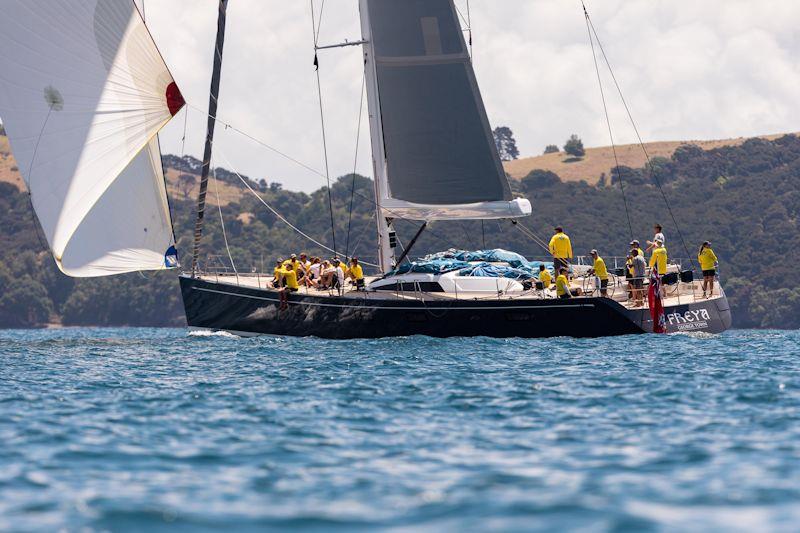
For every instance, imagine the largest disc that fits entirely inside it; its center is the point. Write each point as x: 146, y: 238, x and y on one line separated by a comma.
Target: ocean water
x: 150, y: 429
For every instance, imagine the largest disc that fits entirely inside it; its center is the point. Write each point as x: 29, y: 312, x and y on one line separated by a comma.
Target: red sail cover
x: 655, y: 303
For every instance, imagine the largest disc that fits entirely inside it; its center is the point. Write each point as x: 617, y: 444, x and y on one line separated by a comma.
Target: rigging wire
x: 222, y: 222
x: 228, y: 126
x: 468, y: 21
x: 30, y: 178
x: 276, y: 213
x: 608, y: 123
x: 653, y: 174
x: 469, y: 28
x: 315, y: 33
x: 361, y: 235
x: 469, y: 240
x: 185, y: 124
x: 529, y: 233
x: 355, y: 166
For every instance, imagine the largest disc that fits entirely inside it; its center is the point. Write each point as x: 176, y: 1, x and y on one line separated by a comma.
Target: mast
x: 386, y: 239
x: 212, y: 119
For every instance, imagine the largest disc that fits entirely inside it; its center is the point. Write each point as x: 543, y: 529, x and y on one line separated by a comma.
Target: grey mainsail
x: 436, y: 139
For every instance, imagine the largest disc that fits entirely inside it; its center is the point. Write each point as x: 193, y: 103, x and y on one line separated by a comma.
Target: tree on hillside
x: 574, y: 146
x: 551, y: 149
x: 185, y: 184
x: 539, y: 179
x: 506, y: 144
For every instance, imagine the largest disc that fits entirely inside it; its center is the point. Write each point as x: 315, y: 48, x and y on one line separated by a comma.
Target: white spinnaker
x: 83, y: 94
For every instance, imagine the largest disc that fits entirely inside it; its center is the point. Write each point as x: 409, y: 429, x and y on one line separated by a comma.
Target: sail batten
x: 83, y: 95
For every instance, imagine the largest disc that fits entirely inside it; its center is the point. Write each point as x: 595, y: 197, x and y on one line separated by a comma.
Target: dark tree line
x: 745, y: 199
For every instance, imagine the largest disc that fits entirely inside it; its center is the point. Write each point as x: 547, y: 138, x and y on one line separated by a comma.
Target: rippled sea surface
x: 147, y: 429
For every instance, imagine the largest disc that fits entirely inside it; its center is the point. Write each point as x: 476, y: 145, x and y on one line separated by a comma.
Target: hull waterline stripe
x: 392, y: 308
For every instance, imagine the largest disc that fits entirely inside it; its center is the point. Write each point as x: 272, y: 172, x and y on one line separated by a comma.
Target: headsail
x: 83, y: 94
x: 440, y: 160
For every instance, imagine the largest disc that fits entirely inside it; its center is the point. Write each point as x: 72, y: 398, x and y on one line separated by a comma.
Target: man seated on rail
x: 339, y: 274
x: 313, y: 272
x: 289, y: 277
x: 356, y: 273
x: 326, y: 276
x: 276, y: 274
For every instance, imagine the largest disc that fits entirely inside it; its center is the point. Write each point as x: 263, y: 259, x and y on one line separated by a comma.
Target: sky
x: 689, y: 70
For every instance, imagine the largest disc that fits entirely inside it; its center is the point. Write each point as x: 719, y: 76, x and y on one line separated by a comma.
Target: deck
x: 678, y: 294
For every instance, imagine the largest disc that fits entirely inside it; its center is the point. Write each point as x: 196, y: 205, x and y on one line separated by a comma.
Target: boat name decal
x: 690, y: 319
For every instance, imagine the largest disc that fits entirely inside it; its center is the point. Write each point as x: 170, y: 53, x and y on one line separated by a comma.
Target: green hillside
x: 744, y: 198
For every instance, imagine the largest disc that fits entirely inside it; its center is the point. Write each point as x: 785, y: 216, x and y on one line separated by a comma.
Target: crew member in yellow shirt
x: 659, y: 261
x: 562, y: 284
x: 276, y: 274
x: 356, y: 273
x: 289, y: 277
x: 599, y: 269
x: 708, y: 264
x: 545, y: 277
x: 659, y: 258
x: 560, y: 249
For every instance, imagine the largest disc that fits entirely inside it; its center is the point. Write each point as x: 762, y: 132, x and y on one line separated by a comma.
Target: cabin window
x: 424, y: 286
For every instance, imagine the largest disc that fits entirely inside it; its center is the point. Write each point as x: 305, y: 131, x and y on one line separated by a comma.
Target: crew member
x: 289, y: 277
x: 599, y: 269
x: 659, y: 236
x: 276, y: 273
x: 659, y: 260
x: 708, y: 264
x: 635, y: 244
x: 638, y: 274
x: 545, y: 277
x: 356, y: 273
x: 562, y: 284
x: 338, y: 274
x: 561, y: 249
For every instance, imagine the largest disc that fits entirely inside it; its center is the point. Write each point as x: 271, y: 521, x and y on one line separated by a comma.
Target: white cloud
x: 689, y: 69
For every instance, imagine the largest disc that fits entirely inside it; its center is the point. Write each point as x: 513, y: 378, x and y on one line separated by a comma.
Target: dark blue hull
x: 250, y: 311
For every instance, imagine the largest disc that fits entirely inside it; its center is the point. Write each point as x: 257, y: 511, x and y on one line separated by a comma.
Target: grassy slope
x: 601, y: 160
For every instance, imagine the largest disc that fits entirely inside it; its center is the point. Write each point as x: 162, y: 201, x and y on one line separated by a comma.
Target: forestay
x: 440, y: 158
x: 83, y: 94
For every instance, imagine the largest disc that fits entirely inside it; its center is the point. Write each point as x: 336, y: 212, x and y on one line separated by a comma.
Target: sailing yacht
x: 83, y: 103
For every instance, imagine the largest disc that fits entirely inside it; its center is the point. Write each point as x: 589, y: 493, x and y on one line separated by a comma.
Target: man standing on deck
x: 659, y: 236
x: 561, y: 249
x: 658, y: 261
x: 637, y: 276
x: 600, y: 271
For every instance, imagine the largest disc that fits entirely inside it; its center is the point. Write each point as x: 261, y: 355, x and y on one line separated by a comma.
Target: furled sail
x: 83, y: 94
x: 439, y: 154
